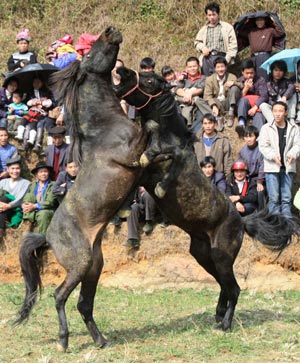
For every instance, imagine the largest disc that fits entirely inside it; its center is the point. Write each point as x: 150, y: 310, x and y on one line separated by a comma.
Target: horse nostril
x: 109, y: 30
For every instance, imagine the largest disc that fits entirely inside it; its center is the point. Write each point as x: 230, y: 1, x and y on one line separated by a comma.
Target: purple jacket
x: 259, y: 88
x: 255, y: 161
x: 282, y: 88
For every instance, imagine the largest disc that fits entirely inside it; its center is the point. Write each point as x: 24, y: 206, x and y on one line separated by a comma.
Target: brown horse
x: 107, y: 144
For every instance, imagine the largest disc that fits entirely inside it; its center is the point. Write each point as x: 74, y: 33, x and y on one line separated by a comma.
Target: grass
x: 146, y: 326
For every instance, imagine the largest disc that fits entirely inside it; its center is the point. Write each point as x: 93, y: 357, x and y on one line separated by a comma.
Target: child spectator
x: 16, y: 187
x: 23, y: 56
x: 57, y: 153
x: 218, y: 179
x: 39, y: 203
x: 16, y: 110
x: 7, y: 151
x: 279, y: 88
x: 147, y: 64
x: 65, y: 180
x: 254, y: 93
x: 6, y: 92
x: 189, y: 92
x: 255, y: 161
x: 214, y: 143
x: 241, y: 189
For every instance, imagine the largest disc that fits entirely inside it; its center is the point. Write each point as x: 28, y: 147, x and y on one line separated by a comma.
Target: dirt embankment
x: 163, y: 260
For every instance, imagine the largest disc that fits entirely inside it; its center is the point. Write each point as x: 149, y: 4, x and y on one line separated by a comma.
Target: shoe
x: 131, y: 242
x: 164, y: 224
x: 240, y: 130
x: 36, y: 148
x: 220, y: 121
x: 230, y: 120
x: 148, y: 227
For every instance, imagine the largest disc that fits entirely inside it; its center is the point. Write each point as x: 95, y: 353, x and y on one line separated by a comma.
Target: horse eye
x: 149, y: 81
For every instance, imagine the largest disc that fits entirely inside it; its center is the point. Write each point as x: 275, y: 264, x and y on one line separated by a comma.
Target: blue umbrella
x: 290, y: 56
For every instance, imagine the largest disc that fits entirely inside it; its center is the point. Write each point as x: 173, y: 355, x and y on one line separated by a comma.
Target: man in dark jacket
x: 65, y: 180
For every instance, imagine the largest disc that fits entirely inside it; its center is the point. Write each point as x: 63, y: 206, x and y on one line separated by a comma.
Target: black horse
x: 191, y: 202
x: 107, y: 144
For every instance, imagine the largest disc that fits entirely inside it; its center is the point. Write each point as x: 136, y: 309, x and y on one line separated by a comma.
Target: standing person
x: 39, y: 203
x: 14, y: 189
x: 7, y: 151
x: 214, y: 143
x: 23, y: 56
x: 222, y: 92
x: 57, y: 153
x: 216, y: 38
x: 65, y: 180
x: 279, y: 142
x: 254, y: 93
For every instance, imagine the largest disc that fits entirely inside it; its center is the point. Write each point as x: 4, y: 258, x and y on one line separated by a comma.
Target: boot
x: 38, y: 141
x: 32, y: 134
x: 20, y: 132
x: 25, y: 138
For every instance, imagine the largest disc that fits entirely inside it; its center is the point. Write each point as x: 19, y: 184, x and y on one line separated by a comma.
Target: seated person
x: 255, y: 161
x: 7, y: 151
x: 15, y: 187
x: 214, y: 143
x: 23, y: 56
x: 142, y: 208
x: 218, y: 179
x: 279, y: 88
x: 171, y: 77
x: 65, y: 180
x: 6, y: 92
x: 241, y: 190
x: 39, y: 203
x: 16, y: 110
x: 57, y: 153
x: 254, y: 93
x: 189, y: 92
x: 222, y: 92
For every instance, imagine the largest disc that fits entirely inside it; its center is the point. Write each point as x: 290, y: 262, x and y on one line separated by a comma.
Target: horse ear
x: 123, y: 72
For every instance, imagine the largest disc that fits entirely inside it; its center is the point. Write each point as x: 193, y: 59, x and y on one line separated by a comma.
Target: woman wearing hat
x: 12, y: 190
x: 242, y: 190
x: 39, y: 202
x: 23, y: 56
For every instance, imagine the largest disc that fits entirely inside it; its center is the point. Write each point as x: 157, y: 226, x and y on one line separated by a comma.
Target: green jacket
x: 49, y: 199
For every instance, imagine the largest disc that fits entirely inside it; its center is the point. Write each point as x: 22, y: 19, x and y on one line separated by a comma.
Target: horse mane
x: 64, y: 85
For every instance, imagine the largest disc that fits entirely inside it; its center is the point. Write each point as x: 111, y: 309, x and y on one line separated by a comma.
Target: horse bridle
x: 137, y: 87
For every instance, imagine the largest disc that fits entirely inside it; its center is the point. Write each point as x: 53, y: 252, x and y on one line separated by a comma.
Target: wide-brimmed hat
x: 57, y: 130
x: 15, y: 160
x: 41, y: 165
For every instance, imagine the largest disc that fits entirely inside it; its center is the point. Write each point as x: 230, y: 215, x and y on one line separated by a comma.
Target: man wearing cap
x: 13, y: 189
x: 57, y: 154
x: 39, y: 203
x: 23, y: 56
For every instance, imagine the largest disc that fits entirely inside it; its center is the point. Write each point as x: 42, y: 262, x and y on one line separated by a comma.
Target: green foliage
x: 149, y: 9
x: 290, y: 6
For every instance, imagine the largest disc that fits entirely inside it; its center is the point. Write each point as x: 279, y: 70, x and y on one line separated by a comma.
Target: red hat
x: 24, y: 34
x: 239, y: 165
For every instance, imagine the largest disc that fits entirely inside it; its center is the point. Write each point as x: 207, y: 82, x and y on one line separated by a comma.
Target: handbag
x: 296, y: 200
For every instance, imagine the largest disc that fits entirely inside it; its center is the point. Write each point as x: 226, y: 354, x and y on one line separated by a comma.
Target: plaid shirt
x: 214, y: 39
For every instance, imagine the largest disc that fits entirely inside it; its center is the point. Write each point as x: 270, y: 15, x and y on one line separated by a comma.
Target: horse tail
x: 32, y: 249
x: 273, y: 230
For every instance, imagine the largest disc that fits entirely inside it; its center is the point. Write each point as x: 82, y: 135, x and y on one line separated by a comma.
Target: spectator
x: 39, y: 203
x: 7, y: 151
x: 23, y: 56
x: 279, y: 88
x: 241, y: 189
x: 13, y: 191
x: 208, y: 165
x: 57, y: 154
x: 214, y: 143
x: 6, y: 92
x: 65, y: 180
x: 116, y: 80
x: 147, y: 64
x: 255, y: 161
x: 222, y: 92
x: 254, y: 93
x: 143, y: 208
x: 279, y: 142
x: 189, y: 92
x: 216, y: 38
x: 16, y: 110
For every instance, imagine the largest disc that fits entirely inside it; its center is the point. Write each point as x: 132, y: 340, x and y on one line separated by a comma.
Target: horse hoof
x: 159, y: 191
x: 144, y: 161
x: 60, y: 348
x: 136, y: 164
x: 124, y: 213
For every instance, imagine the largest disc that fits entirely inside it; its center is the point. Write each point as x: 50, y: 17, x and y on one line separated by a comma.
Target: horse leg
x: 154, y: 149
x: 200, y: 249
x: 85, y: 303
